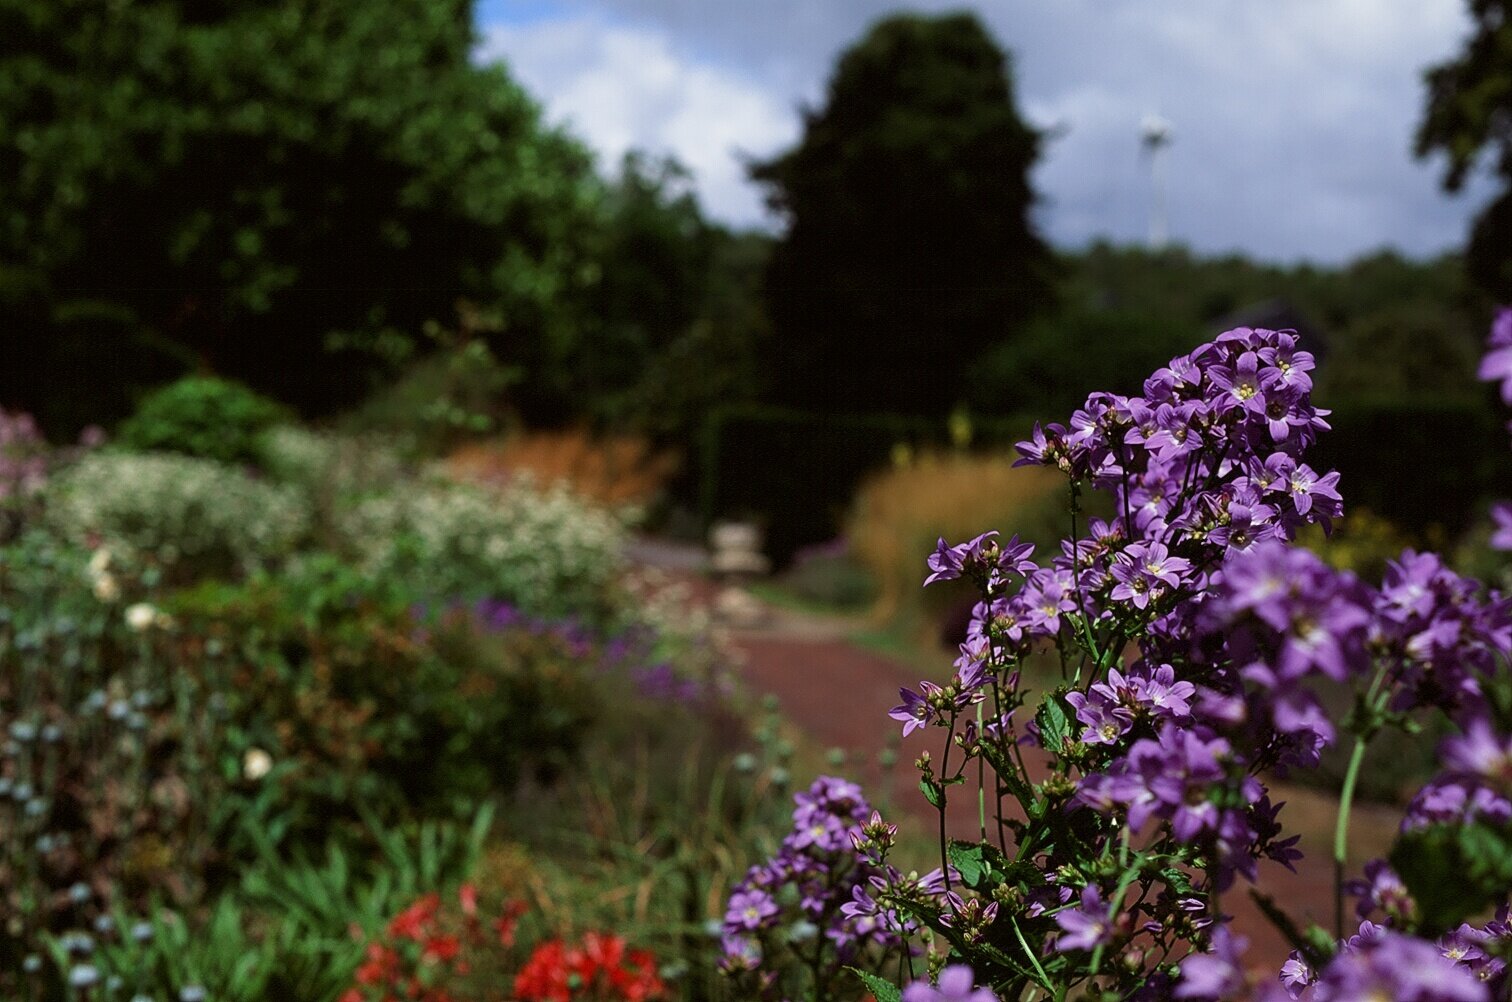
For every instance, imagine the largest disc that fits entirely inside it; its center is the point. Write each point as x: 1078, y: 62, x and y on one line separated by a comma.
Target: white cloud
x: 623, y: 87
x: 1294, y: 118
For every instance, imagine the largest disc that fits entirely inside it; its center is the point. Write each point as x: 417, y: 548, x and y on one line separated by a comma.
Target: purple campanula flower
x: 1501, y: 514
x: 1297, y: 974
x: 1288, y: 366
x: 749, y: 910
x: 1085, y: 927
x: 1382, y: 890
x: 1450, y: 800
x: 1218, y: 974
x: 1497, y: 363
x: 1396, y: 967
x: 915, y: 711
x: 1241, y: 384
x: 956, y: 984
x: 1145, y: 571
x: 1480, y: 752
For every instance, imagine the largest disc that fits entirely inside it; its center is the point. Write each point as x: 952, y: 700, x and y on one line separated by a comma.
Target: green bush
x: 201, y: 416
x: 359, y: 706
x: 194, y: 516
x: 545, y: 551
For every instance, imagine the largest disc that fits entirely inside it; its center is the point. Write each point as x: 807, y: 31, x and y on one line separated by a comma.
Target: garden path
x: 838, y: 693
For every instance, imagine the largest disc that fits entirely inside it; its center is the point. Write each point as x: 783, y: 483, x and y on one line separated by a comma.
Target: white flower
x: 141, y: 616
x: 99, y: 561
x: 256, y: 764
x: 106, y: 589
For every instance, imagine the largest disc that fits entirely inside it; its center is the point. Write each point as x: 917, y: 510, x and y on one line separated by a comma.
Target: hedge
x: 1415, y: 463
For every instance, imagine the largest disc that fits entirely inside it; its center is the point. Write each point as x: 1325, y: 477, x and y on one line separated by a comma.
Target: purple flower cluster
x: 1195, y: 648
x: 632, y: 652
x: 955, y: 984
x: 799, y: 899
x: 1376, y: 963
x: 1475, y: 784
x: 1205, y: 463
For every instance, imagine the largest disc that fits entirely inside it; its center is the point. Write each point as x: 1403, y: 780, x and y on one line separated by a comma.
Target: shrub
x: 546, y: 552
x: 201, y: 416
x: 830, y: 575
x: 193, y: 515
x: 614, y: 471
x: 899, y: 512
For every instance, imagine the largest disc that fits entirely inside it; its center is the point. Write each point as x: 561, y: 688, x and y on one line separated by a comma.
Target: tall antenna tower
x: 1154, y: 137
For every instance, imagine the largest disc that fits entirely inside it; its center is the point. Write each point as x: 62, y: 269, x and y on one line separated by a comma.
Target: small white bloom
x: 99, y: 560
x: 256, y: 764
x: 106, y: 589
x: 141, y: 616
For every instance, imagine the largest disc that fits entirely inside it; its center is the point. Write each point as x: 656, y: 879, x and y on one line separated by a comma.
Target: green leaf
x: 1453, y: 871
x: 882, y: 989
x: 932, y: 791
x: 1178, y: 880
x: 967, y: 858
x: 1054, y: 723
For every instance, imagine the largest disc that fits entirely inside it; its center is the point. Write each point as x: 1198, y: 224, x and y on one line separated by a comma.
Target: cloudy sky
x: 1293, y: 119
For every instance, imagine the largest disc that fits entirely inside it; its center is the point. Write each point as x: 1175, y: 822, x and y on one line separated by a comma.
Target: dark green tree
x: 1468, y: 110
x: 655, y: 249
x: 229, y: 182
x: 909, y: 247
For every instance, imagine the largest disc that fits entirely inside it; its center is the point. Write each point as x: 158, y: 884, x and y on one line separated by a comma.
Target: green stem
x: 1341, y: 831
x: 981, y: 777
x: 1033, y: 958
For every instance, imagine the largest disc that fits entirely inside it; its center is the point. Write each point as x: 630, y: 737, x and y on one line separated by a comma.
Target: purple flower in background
x: 1085, y: 927
x: 1218, y: 974
x: 749, y: 910
x: 1399, y: 968
x: 1480, y: 752
x: 1451, y: 800
x: 1497, y: 364
x: 1501, y: 514
x: 1382, y: 890
x: 956, y: 984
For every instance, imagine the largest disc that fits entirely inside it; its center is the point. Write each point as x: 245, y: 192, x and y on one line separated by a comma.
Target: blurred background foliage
x: 338, y: 206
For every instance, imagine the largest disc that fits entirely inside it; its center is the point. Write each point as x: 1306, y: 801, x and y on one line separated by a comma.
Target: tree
x: 230, y: 182
x: 1468, y: 109
x: 909, y: 249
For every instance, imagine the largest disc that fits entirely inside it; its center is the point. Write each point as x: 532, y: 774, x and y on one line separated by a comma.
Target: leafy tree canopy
x: 1468, y: 111
x: 232, y: 180
x: 909, y: 248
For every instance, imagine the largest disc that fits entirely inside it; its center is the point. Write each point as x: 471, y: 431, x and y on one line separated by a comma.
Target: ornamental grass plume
x: 1194, y: 642
x: 902, y: 509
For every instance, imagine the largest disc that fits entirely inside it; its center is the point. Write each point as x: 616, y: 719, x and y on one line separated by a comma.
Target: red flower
x: 410, y: 923
x: 467, y: 894
x: 506, y: 923
x: 441, y: 948
x: 544, y: 978
x: 601, y: 952
x: 381, y: 966
x: 641, y: 984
